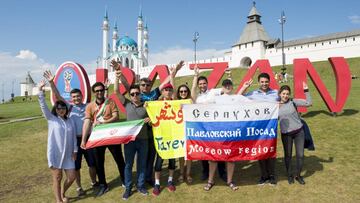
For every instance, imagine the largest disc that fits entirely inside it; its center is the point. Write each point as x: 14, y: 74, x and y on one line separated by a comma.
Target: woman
x: 183, y: 92
x: 62, y: 146
x: 166, y: 94
x: 292, y: 130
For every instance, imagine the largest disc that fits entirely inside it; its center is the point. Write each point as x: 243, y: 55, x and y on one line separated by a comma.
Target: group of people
x: 69, y: 126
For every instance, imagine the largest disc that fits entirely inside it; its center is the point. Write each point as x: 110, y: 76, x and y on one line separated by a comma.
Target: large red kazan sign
x: 302, y: 69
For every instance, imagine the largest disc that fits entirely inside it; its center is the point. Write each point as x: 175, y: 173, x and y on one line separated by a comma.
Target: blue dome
x: 126, y: 41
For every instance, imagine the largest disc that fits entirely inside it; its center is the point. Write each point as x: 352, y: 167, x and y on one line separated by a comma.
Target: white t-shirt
x: 208, y: 97
x: 231, y: 99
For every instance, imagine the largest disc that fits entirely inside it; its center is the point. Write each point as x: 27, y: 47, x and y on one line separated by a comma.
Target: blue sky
x: 39, y: 35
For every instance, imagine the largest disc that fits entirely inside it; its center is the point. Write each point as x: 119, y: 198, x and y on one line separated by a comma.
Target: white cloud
x: 175, y: 54
x: 13, y: 69
x: 355, y: 19
x: 27, y: 54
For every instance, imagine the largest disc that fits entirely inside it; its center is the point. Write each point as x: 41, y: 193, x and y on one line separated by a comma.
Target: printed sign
x: 69, y: 76
x: 235, y: 132
x: 168, y: 127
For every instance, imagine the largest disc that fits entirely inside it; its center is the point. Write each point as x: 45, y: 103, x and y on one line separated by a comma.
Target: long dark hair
x: 62, y: 104
x: 178, y: 92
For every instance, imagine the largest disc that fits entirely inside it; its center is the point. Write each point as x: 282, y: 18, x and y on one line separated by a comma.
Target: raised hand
x: 179, y: 65
x: 248, y: 83
x: 118, y: 73
x: 41, y: 85
x: 196, y: 69
x: 48, y: 76
x: 115, y: 64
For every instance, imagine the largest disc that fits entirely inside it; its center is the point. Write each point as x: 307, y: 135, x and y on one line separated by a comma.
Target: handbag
x: 308, y: 143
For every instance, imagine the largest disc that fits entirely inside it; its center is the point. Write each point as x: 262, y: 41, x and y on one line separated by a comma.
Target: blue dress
x: 61, y: 138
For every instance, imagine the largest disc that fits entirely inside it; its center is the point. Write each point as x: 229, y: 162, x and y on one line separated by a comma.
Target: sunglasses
x: 183, y: 91
x: 144, y: 84
x: 97, y: 91
x: 61, y: 108
x: 134, y: 94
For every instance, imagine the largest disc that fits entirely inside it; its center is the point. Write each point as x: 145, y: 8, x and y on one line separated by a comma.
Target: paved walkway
x: 21, y: 119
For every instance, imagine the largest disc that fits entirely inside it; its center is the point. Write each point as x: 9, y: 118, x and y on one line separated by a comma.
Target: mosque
x: 124, y: 49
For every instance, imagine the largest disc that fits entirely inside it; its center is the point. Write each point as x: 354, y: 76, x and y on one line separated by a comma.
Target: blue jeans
x: 141, y: 147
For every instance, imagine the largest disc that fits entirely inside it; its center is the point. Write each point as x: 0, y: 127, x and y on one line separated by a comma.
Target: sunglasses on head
x: 97, y: 91
x: 145, y: 84
x: 135, y: 94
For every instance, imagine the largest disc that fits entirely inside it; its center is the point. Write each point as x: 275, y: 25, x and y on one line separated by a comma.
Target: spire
x: 253, y: 10
x: 106, y: 14
x: 115, y: 26
x: 146, y: 25
x: 140, y: 12
x: 253, y: 31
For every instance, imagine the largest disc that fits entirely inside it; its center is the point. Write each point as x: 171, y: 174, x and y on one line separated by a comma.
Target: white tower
x: 105, y: 28
x: 140, y: 29
x: 146, y: 48
x: 115, y: 37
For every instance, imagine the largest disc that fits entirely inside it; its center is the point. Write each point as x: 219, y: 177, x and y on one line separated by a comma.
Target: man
x: 206, y: 96
x: 226, y: 98
x: 265, y: 94
x: 146, y: 94
x: 102, y: 111
x: 134, y: 110
x: 77, y: 113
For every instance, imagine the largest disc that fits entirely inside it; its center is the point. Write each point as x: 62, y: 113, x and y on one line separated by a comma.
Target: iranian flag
x: 114, y: 133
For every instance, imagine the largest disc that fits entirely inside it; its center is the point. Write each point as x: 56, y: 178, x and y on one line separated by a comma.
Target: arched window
x: 132, y: 64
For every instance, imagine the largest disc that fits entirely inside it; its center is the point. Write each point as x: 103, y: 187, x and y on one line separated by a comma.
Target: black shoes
x: 272, y: 180
x: 143, y: 191
x: 126, y: 194
x: 262, y: 180
x: 290, y: 180
x: 300, y: 180
x: 102, y: 190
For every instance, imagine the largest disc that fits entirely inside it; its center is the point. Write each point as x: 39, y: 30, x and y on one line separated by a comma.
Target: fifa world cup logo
x: 67, y: 79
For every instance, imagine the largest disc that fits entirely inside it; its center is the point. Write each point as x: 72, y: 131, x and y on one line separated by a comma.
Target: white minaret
x: 115, y: 37
x: 140, y: 29
x: 146, y: 48
x: 105, y: 28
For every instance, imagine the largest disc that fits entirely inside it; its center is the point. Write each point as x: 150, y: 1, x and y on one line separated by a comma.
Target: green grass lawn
x: 331, y: 172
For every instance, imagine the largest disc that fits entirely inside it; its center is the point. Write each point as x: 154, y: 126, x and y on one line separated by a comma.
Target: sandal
x: 233, y: 186
x: 189, y: 179
x: 208, y: 186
